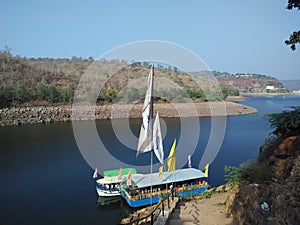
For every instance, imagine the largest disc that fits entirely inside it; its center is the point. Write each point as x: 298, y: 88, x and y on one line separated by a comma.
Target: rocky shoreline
x: 48, y: 114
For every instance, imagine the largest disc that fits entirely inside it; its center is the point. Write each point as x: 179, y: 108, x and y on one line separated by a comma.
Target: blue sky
x: 232, y: 36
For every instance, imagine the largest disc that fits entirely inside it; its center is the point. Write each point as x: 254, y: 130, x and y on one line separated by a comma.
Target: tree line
x: 17, y: 93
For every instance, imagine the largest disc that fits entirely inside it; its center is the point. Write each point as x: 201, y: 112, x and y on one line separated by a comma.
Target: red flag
x: 129, y: 180
x: 95, y: 173
x: 120, y: 174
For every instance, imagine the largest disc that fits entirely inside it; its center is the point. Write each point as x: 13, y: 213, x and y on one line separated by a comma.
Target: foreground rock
x: 277, y: 200
x: 48, y: 114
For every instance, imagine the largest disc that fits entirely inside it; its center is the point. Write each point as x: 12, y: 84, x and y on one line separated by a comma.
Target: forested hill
x: 44, y: 81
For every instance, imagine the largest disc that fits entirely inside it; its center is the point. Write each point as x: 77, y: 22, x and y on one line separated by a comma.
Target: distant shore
x: 268, y: 94
x: 49, y: 114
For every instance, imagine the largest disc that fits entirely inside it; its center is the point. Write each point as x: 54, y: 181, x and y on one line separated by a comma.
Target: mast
x: 145, y: 142
x: 151, y: 101
x: 151, y: 125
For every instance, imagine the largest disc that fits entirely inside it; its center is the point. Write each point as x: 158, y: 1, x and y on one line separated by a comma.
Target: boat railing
x: 159, y: 206
x: 143, y: 195
x: 158, y: 192
x: 190, y: 187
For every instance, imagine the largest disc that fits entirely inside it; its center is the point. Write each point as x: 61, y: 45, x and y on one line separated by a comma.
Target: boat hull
x: 140, y: 202
x: 191, y: 192
x: 107, y: 193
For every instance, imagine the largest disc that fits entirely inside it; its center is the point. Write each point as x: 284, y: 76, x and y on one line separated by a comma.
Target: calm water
x: 45, y: 180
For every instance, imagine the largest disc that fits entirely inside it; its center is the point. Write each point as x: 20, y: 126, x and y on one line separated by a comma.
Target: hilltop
x: 251, y: 83
x: 48, y: 81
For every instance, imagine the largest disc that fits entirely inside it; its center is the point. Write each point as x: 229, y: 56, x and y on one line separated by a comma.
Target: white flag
x: 145, y: 138
x: 95, y: 175
x: 157, y: 140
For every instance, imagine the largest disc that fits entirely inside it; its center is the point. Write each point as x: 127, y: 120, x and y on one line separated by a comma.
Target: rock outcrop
x: 275, y: 201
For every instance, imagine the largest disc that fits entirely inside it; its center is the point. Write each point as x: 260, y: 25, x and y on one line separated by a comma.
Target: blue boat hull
x: 191, y: 192
x: 147, y: 201
x: 141, y: 202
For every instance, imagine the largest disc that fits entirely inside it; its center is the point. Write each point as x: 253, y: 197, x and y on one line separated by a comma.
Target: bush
x: 286, y: 123
x: 110, y: 94
x: 240, y: 175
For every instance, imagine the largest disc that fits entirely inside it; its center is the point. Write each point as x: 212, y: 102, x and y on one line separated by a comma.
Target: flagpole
x: 151, y: 178
x: 151, y: 123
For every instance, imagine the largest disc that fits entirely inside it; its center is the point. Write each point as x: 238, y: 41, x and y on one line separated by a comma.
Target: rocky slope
x: 276, y: 200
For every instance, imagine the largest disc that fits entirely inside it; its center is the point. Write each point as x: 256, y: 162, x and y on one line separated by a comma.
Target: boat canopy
x: 108, y: 180
x: 147, y: 180
x: 115, y: 173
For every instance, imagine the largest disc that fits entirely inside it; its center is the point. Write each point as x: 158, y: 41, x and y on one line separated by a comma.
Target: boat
x: 108, y: 186
x: 181, y: 182
x: 148, y: 189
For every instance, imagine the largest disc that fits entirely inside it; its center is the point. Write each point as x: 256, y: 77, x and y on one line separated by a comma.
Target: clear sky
x: 232, y: 36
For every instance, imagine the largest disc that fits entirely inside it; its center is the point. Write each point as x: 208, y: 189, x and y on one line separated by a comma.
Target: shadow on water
x: 112, y: 212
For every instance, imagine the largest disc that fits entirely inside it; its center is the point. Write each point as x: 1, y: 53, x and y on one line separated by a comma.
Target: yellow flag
x: 206, y: 170
x: 172, y: 158
x: 160, y: 175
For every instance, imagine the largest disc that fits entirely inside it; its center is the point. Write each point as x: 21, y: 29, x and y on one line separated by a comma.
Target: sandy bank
x: 48, y: 114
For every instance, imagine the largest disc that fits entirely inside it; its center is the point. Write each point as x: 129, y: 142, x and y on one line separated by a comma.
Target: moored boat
x: 181, y: 182
x: 108, y: 186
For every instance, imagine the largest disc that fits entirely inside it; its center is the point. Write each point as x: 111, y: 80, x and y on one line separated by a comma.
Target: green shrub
x: 240, y: 175
x: 286, y: 123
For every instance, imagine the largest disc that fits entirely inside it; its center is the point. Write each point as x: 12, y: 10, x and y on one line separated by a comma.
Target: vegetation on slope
x: 45, y: 81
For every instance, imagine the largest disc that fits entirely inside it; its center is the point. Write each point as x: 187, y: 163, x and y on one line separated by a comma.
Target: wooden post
x: 169, y: 202
x: 151, y: 218
x: 163, y: 208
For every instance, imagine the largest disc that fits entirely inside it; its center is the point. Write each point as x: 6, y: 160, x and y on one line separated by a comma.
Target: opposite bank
x: 49, y: 114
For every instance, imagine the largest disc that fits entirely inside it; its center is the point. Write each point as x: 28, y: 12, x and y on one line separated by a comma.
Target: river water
x: 44, y: 178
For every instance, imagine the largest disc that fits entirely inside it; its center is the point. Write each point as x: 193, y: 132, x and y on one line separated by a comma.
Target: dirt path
x: 210, y: 211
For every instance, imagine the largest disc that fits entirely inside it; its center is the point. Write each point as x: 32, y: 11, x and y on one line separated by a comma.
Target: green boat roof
x: 114, y: 173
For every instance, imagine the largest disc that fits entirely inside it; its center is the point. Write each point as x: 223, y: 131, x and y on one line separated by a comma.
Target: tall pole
x: 151, y: 123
